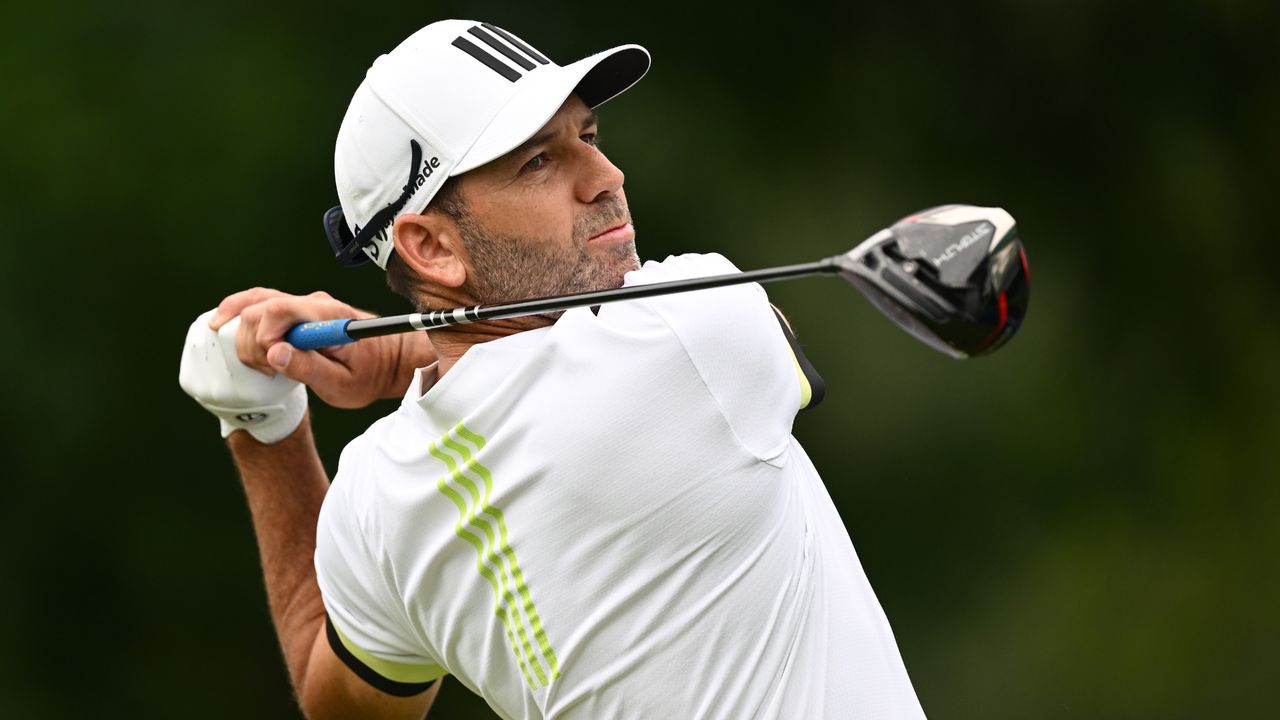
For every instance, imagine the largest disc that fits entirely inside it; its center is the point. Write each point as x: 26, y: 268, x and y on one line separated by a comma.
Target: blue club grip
x: 322, y: 333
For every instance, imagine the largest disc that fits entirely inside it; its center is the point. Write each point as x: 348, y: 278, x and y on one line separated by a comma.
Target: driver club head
x: 954, y: 276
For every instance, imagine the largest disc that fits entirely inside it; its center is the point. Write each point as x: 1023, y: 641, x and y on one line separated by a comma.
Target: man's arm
x: 285, y: 485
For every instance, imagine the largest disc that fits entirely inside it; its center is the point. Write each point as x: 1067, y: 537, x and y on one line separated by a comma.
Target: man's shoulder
x: 366, y: 455
x: 680, y: 267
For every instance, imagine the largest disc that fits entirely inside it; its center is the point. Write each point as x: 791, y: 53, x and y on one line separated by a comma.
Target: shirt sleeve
x: 812, y: 387
x: 365, y: 625
x: 743, y: 351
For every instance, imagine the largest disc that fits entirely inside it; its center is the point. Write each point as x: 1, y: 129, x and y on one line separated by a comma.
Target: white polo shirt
x: 609, y: 518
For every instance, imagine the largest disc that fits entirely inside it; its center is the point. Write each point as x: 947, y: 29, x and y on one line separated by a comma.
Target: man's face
x: 548, y: 218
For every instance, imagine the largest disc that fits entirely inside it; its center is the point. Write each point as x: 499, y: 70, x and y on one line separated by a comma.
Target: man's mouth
x: 620, y: 233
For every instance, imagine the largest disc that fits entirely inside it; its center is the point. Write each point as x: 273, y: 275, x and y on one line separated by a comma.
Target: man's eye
x: 535, y: 163
x: 590, y: 138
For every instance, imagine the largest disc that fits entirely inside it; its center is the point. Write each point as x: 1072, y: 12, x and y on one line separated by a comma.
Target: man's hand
x: 242, y: 398
x: 346, y: 376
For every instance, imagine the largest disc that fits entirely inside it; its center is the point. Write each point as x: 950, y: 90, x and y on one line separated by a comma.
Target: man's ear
x: 430, y: 244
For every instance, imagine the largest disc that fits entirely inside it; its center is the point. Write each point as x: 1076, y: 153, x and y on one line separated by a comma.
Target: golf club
x: 954, y: 276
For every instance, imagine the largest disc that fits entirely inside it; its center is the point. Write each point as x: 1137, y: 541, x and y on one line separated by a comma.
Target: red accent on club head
x: 1003, y: 303
x: 1026, y: 272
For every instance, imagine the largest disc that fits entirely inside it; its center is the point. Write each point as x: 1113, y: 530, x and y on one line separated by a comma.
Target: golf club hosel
x: 877, y: 261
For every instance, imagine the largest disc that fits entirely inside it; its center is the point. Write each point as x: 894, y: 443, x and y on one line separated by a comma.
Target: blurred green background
x: 1085, y: 525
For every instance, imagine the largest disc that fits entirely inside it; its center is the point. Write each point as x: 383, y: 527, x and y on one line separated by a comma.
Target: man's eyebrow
x: 546, y: 137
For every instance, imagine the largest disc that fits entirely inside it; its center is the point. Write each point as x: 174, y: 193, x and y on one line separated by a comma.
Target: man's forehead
x: 572, y: 113
x: 572, y: 105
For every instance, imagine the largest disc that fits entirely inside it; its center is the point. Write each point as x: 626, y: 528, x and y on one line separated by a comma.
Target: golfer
x: 594, y: 514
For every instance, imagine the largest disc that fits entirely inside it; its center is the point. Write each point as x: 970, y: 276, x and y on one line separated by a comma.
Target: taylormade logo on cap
x: 419, y: 171
x: 451, y: 97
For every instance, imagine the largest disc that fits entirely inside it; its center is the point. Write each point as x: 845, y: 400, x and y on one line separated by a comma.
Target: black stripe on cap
x: 366, y: 673
x: 492, y: 62
x: 492, y: 42
x: 515, y: 41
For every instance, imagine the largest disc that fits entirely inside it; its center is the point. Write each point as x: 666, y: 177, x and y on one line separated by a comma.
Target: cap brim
x: 596, y: 79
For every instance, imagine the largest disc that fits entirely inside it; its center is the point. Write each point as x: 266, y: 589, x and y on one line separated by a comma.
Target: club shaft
x: 336, y: 332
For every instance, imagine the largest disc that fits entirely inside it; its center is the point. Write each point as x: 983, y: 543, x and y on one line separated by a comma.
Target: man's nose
x: 600, y: 177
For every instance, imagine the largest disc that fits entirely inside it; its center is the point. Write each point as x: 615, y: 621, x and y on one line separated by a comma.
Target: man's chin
x: 625, y: 259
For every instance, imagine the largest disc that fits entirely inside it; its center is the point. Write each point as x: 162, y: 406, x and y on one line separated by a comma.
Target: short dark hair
x: 401, y: 278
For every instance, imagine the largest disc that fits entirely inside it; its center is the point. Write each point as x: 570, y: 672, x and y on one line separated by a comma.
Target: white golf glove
x: 269, y: 408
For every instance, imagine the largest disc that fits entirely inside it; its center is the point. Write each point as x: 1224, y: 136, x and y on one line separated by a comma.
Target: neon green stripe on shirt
x: 503, y: 601
x: 531, y: 611
x: 806, y: 390
x: 395, y: 671
x: 496, y: 552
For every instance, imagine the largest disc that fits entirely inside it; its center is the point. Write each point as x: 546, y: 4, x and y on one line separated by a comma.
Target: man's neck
x: 451, y: 343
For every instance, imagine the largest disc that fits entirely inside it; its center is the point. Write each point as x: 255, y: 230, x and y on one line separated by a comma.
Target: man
x: 596, y: 515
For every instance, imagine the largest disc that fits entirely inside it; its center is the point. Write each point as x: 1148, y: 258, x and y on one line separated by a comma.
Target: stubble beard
x: 511, y: 268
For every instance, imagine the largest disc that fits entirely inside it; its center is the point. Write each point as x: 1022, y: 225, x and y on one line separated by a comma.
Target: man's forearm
x: 285, y: 485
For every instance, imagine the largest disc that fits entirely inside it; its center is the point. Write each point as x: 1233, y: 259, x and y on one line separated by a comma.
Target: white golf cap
x: 452, y: 97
